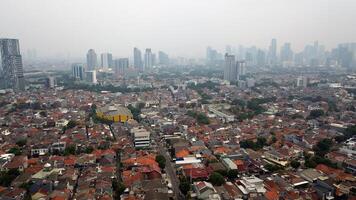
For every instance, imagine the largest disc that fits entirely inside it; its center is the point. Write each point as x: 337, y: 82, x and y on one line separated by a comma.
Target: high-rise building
x: 230, y: 73
x: 121, y: 66
x: 346, y: 55
x: 78, y: 71
x: 11, y: 62
x: 148, y: 59
x: 261, y: 58
x: 50, y: 82
x: 163, y: 58
x: 211, y: 56
x: 154, y: 60
x: 92, y: 59
x: 138, y: 59
x: 106, y: 60
x: 90, y: 77
x: 241, y: 69
x: 286, y: 53
x: 272, y: 52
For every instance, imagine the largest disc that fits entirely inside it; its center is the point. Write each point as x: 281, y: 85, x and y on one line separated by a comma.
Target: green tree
x: 202, y: 118
x: 323, y: 146
x: 118, y: 188
x: 135, y: 112
x: 216, y: 179
x: 295, y: 164
x: 89, y: 149
x: 70, y: 150
x: 272, y: 168
x: 6, y: 178
x: 239, y: 102
x: 161, y: 160
x: 21, y: 142
x: 232, y: 174
x: 15, y: 150
x: 184, y: 186
x: 316, y: 113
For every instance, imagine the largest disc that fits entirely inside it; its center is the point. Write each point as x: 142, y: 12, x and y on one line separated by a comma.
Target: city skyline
x: 232, y: 23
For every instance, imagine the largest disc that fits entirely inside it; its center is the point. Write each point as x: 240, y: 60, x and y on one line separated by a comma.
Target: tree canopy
x: 216, y: 179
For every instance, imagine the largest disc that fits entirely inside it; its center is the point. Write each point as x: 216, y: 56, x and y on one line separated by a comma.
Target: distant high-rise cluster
x: 11, y: 62
x: 313, y: 55
x: 213, y: 57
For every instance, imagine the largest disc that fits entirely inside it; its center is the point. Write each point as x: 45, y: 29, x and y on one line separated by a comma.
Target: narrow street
x: 170, y: 171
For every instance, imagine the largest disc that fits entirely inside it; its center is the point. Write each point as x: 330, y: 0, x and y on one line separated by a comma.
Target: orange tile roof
x: 182, y: 153
x: 239, y: 162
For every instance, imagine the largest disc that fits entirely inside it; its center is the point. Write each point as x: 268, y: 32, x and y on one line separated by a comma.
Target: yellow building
x: 114, y: 113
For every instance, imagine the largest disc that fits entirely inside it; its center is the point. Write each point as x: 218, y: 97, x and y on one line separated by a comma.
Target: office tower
x: 78, y: 71
x: 137, y: 59
x: 211, y: 56
x: 91, y: 59
x: 249, y: 58
x: 261, y: 58
x: 50, y: 82
x: 241, y: 69
x: 163, y: 58
x: 11, y: 62
x: 90, y: 77
x: 272, y: 54
x: 154, y: 59
x: 106, y: 60
x: 286, y: 53
x: 230, y: 73
x: 121, y: 66
x: 148, y: 59
x: 299, y: 59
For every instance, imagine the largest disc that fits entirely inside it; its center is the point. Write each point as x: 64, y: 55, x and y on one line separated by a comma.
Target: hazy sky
x: 179, y: 27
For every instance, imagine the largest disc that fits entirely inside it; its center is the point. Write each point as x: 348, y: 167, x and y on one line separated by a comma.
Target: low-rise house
x: 276, y: 157
x: 13, y: 194
x: 18, y: 162
x: 311, y: 175
x: 39, y: 150
x: 229, y: 164
x: 251, y: 186
x: 204, y: 190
